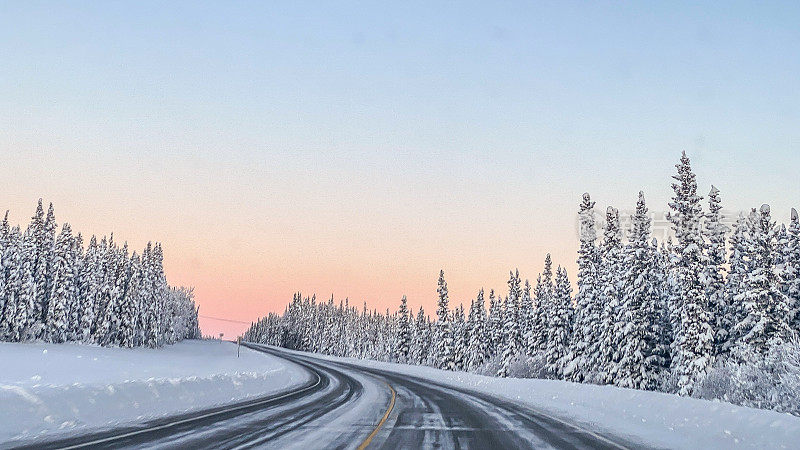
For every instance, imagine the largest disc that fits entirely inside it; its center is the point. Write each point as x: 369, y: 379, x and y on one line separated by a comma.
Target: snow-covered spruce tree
x: 403, y: 343
x: 12, y: 267
x: 495, y: 325
x: 714, y: 232
x: 4, y: 231
x: 527, y: 313
x: 512, y: 333
x: 694, y: 342
x: 47, y: 253
x: 766, y: 320
x: 670, y: 294
x: 559, y: 326
x: 739, y: 266
x: 537, y: 335
x: 460, y: 338
x: 74, y: 306
x: 588, y: 309
x: 88, y: 287
x: 63, y: 289
x: 36, y: 253
x: 26, y: 324
x: 792, y: 270
x: 478, y: 347
x: 642, y: 355
x: 444, y: 351
x: 130, y: 305
x: 422, y: 338
x: 5, y: 244
x: 612, y: 318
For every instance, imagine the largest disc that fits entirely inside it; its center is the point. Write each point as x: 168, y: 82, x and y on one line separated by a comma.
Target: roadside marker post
x: 238, y: 345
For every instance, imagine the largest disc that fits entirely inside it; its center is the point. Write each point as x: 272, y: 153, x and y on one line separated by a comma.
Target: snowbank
x: 61, y: 388
x: 650, y: 418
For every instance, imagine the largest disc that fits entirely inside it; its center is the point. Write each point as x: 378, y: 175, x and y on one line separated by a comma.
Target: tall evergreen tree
x: 695, y: 337
x: 588, y: 310
x: 12, y: 268
x: 642, y: 351
x: 422, y: 338
x: 403, y: 343
x: 792, y: 271
x: 495, y: 325
x: 4, y: 245
x: 612, y: 322
x: 559, y: 325
x: 714, y: 232
x: 767, y: 309
x: 445, y: 353
x: 63, y: 289
x: 544, y: 291
x: 512, y: 333
x: 478, y: 347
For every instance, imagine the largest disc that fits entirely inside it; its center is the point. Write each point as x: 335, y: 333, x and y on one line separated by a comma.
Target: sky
x: 357, y: 148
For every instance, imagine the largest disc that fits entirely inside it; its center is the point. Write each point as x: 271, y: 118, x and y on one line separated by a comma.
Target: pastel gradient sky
x: 356, y: 148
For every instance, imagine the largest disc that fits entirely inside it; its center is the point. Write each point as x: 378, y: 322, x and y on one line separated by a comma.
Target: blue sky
x: 338, y: 119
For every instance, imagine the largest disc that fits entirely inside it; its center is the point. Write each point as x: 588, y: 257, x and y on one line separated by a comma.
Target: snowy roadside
x: 650, y: 418
x: 50, y: 389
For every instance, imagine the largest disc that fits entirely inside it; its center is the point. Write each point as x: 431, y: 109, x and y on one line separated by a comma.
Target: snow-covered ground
x: 650, y: 418
x: 59, y: 388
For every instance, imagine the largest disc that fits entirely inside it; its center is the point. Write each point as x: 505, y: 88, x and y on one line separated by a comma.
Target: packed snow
x: 651, y: 418
x: 47, y: 389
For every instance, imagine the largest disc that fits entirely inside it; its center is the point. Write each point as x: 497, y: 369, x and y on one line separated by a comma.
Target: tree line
x: 669, y: 316
x: 54, y: 290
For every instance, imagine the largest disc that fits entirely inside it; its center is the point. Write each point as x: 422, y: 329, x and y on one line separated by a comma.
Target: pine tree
x: 695, y: 337
x: 36, y: 253
x: 130, y: 305
x: 478, y: 346
x: 495, y: 325
x: 714, y: 271
x: 612, y: 322
x: 46, y: 279
x: 512, y: 333
x: 12, y: 268
x: 444, y: 328
x: 792, y: 271
x: 63, y: 289
x: 4, y: 244
x: 25, y: 323
x: 74, y: 312
x: 420, y: 349
x: 88, y: 288
x: 460, y: 338
x: 739, y: 266
x: 537, y: 335
x: 766, y: 307
x: 642, y: 352
x: 403, y: 343
x: 559, y: 325
x: 588, y: 310
x: 108, y: 310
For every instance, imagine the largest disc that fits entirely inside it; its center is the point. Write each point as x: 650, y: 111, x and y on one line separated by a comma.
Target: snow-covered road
x: 349, y: 406
x: 345, y: 403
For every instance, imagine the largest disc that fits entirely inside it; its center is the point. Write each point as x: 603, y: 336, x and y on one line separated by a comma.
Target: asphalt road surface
x: 349, y: 406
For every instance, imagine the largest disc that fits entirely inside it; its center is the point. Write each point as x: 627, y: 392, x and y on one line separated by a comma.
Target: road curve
x: 349, y: 406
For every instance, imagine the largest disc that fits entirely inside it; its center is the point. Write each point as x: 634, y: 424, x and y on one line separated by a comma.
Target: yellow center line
x: 383, y: 420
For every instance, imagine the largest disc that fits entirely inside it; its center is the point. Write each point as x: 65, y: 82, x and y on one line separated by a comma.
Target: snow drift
x: 47, y: 389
